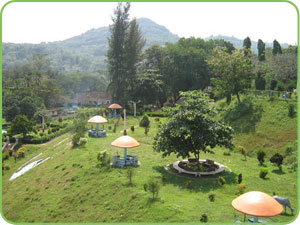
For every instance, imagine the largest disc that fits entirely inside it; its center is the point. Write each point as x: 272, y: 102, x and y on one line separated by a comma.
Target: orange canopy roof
x: 97, y: 119
x: 256, y: 203
x: 115, y: 106
x: 125, y: 142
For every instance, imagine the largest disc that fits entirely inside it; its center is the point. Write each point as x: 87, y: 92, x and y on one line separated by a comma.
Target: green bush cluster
x: 157, y: 114
x: 263, y: 173
x: 145, y: 122
x: 260, y: 156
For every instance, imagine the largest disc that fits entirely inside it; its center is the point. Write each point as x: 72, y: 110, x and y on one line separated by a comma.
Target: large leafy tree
x: 261, y: 50
x: 21, y: 124
x: 233, y: 73
x: 192, y: 128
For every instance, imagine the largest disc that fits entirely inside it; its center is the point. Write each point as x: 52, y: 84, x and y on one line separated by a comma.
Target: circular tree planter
x: 220, y: 168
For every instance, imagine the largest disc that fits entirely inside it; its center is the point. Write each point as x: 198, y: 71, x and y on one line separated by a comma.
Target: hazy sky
x: 44, y: 22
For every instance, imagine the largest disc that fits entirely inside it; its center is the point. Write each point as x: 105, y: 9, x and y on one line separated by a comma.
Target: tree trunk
x: 198, y: 163
x: 238, y: 97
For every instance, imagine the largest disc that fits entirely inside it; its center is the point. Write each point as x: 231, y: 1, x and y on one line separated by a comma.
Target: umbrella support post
x: 125, y: 155
x: 255, y: 219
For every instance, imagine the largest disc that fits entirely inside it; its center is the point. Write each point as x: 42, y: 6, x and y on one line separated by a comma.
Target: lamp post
x: 134, y: 106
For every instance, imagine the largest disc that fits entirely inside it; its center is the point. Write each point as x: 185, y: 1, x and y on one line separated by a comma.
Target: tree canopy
x: 192, y: 128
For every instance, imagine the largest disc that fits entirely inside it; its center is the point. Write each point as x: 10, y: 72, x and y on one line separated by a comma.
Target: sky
x: 47, y: 22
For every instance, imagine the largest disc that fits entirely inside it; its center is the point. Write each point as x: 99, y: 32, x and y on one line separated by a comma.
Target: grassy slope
x: 69, y: 187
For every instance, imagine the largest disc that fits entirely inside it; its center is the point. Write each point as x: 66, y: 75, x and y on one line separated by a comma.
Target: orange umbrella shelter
x: 257, y: 204
x: 97, y: 120
x: 114, y: 107
x: 125, y: 142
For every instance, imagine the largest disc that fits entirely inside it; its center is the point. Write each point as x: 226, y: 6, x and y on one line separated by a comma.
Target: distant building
x: 95, y: 97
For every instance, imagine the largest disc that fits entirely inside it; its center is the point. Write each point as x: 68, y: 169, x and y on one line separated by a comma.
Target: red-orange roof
x: 256, y: 203
x: 97, y: 119
x: 125, y: 142
x: 115, y: 106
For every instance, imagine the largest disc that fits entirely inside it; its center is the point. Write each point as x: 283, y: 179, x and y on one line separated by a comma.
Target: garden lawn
x: 70, y: 188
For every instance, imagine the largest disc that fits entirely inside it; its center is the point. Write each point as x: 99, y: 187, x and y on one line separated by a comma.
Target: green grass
x: 69, y: 187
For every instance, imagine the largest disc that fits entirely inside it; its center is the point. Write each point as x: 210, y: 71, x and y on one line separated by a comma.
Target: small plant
x: 103, y: 159
x: 263, y: 173
x: 222, y: 180
x: 146, y: 130
x: 132, y: 129
x: 156, y: 119
x: 82, y: 141
x: 130, y: 174
x: 49, y: 131
x: 41, y: 134
x: 278, y: 160
x: 227, y: 153
x: 260, y: 156
x: 241, y: 188
x: 243, y: 151
x: 240, y: 178
x: 75, y: 140
x: 21, y: 152
x: 188, y: 184
x: 145, y: 187
x: 291, y: 108
x: 212, y: 197
x: 145, y: 122
x: 163, y: 179
x: 204, y: 218
x: 154, y: 187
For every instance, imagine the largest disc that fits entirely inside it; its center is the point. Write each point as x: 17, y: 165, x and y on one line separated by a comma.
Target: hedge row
x: 156, y: 114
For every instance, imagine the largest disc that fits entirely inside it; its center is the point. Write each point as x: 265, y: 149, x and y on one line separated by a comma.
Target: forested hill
x: 238, y: 43
x: 85, y: 52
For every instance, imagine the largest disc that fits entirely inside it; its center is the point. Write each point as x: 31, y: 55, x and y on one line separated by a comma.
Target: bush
x: 41, y: 134
x: 75, y: 140
x: 156, y: 119
x: 130, y: 174
x: 263, y: 173
x: 212, y: 197
x: 103, y: 159
x: 222, y: 180
x: 49, y: 131
x: 21, y: 152
x: 145, y: 187
x: 188, y: 184
x: 280, y: 86
x: 260, y: 156
x: 156, y: 114
x: 146, y: 130
x: 241, y: 188
x: 227, y: 153
x: 243, y: 151
x: 278, y: 160
x: 291, y: 108
x: 153, y: 186
x: 145, y: 122
x: 204, y: 218
x: 82, y: 141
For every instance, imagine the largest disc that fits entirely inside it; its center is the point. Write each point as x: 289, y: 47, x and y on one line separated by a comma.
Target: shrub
x: 291, y: 108
x: 49, y: 131
x: 263, y: 173
x: 204, y: 218
x: 103, y: 159
x: 260, y: 156
x: 156, y: 119
x: 132, y: 129
x: 154, y: 187
x: 280, y: 86
x: 82, y: 141
x: 226, y: 152
x: 188, y: 184
x: 21, y: 152
x: 212, y: 197
x: 130, y: 174
x: 75, y: 140
x: 243, y: 151
x: 222, y: 180
x: 278, y: 160
x: 145, y: 187
x: 145, y: 122
x: 146, y: 130
x: 241, y: 188
x: 41, y: 134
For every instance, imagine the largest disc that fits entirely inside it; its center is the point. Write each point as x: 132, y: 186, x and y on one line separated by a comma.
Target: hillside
x: 85, y: 52
x: 70, y: 188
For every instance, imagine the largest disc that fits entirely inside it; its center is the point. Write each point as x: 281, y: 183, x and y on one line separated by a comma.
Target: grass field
x: 70, y: 188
